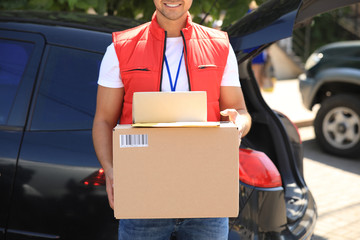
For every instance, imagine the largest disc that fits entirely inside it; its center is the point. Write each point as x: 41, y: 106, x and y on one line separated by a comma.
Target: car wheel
x: 337, y: 125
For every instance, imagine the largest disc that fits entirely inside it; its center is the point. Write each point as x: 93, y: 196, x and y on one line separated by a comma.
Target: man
x: 170, y: 53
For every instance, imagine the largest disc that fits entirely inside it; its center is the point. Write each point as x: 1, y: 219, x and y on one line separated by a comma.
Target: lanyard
x: 173, y: 87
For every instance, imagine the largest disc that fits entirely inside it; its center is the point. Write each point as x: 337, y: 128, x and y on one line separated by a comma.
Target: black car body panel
x: 47, y: 149
x: 280, y: 18
x: 311, y: 8
x: 270, y: 134
x: 46, y: 155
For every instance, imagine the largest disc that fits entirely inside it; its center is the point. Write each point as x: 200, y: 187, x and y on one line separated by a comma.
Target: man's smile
x: 172, y: 5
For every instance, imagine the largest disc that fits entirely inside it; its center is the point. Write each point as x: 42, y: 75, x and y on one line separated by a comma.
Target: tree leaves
x: 230, y: 10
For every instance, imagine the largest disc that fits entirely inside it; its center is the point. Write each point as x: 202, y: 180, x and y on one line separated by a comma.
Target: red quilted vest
x: 141, y: 50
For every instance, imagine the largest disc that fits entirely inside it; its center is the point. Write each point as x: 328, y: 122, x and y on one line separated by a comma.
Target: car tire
x: 337, y: 125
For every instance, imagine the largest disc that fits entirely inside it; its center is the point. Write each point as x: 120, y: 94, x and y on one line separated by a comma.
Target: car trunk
x: 271, y: 22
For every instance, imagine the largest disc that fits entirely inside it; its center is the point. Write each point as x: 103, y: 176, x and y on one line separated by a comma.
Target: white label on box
x: 134, y: 140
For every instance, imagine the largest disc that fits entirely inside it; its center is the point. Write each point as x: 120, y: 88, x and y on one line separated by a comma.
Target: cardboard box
x: 176, y: 172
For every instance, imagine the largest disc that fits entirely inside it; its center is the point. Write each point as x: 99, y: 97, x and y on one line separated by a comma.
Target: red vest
x: 141, y: 50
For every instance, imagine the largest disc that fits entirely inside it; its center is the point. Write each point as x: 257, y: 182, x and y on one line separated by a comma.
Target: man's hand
x: 233, y: 108
x: 110, y: 186
x: 237, y: 119
x: 108, y: 109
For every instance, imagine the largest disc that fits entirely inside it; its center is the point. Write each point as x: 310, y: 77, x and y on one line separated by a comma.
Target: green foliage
x: 139, y: 9
x: 235, y: 10
x: 53, y: 5
x: 40, y: 4
x: 13, y: 4
x: 324, y: 28
x: 322, y: 34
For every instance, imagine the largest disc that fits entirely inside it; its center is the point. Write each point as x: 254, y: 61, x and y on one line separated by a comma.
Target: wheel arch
x: 333, y: 82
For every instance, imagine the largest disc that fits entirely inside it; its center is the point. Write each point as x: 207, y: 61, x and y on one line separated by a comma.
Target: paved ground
x: 286, y: 98
x: 334, y: 182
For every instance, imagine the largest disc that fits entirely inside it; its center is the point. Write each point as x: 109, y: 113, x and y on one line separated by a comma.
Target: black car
x: 52, y: 186
x: 332, y: 79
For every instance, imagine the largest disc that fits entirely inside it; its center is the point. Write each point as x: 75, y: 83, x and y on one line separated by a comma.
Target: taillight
x: 256, y: 169
x: 95, y: 179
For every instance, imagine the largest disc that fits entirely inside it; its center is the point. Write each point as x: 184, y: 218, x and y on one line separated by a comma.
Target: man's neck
x: 172, y: 27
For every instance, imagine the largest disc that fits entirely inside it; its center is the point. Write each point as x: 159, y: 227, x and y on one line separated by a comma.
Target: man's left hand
x: 237, y: 119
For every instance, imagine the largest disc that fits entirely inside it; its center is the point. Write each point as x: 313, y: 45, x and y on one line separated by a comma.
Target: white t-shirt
x: 109, y: 75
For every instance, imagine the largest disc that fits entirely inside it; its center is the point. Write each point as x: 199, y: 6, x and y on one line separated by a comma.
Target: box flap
x: 178, y: 124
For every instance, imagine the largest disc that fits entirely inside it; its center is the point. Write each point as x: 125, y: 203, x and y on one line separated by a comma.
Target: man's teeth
x: 172, y: 5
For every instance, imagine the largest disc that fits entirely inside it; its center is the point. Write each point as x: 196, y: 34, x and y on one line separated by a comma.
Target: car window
x: 14, y: 56
x: 67, y: 94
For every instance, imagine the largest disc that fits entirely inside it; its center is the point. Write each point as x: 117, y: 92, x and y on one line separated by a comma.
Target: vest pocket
x: 135, y: 74
x: 138, y: 69
x: 139, y: 79
x: 207, y: 66
x: 204, y: 74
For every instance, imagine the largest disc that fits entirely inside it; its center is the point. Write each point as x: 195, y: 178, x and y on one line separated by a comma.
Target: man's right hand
x: 108, y: 111
x: 110, y: 186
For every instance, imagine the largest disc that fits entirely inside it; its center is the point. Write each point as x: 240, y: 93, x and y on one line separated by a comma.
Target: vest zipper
x: 162, y: 62
x: 186, y: 59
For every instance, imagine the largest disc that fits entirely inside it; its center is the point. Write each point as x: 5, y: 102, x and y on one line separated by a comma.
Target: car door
x: 52, y: 200
x: 20, y: 55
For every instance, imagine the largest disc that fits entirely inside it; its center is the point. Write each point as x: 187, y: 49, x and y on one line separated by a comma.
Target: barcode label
x: 134, y: 140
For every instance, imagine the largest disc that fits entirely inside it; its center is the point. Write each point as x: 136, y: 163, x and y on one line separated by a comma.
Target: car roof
x: 66, y: 29
x: 342, y: 44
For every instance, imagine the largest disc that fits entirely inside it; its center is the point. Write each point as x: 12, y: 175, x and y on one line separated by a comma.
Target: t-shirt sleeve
x: 109, y: 74
x: 231, y: 72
